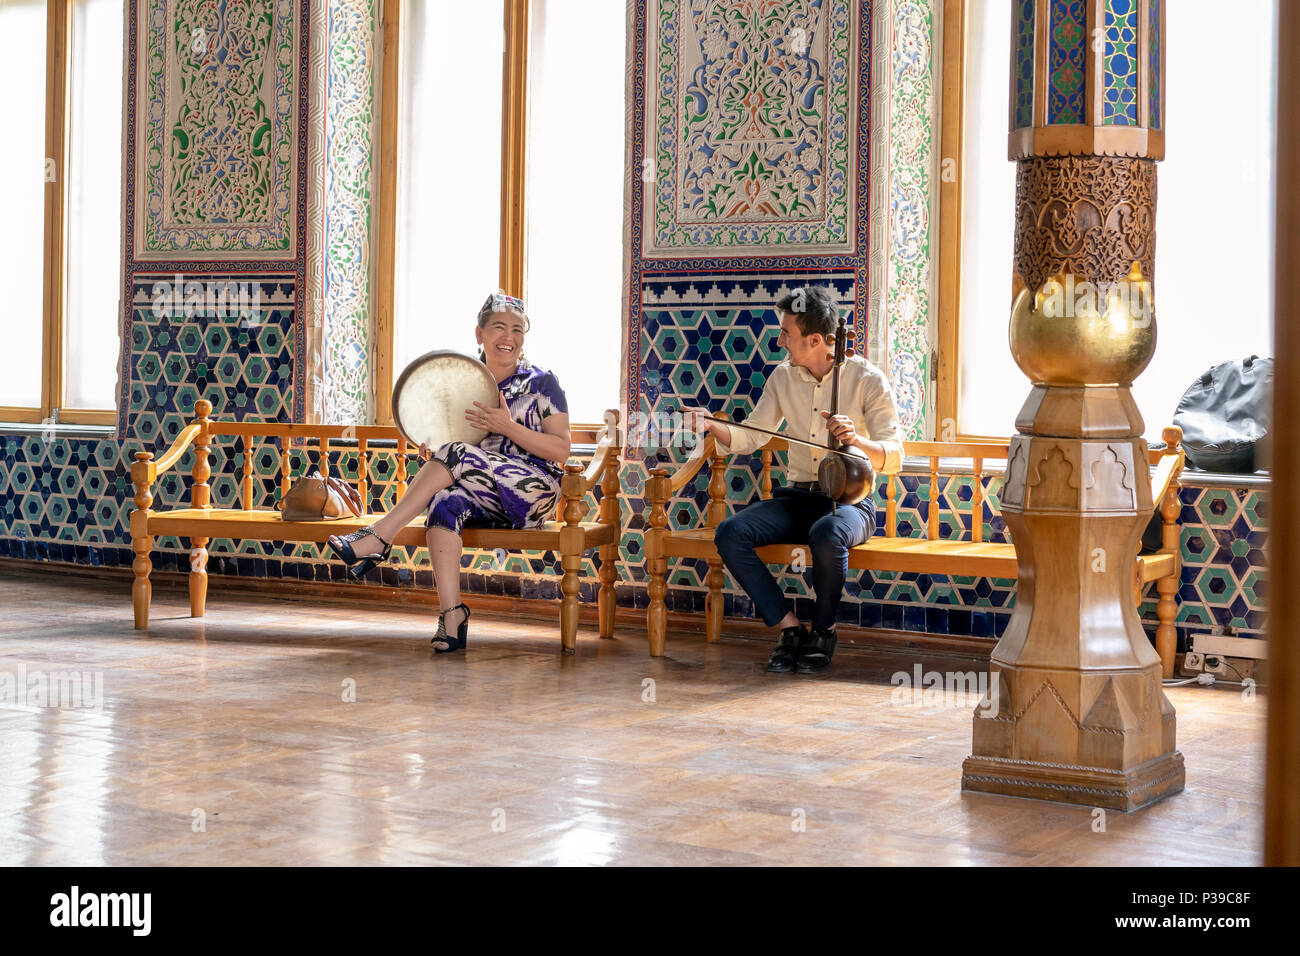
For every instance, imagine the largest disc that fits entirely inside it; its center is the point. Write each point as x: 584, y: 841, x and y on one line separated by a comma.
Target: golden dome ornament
x: 1076, y: 332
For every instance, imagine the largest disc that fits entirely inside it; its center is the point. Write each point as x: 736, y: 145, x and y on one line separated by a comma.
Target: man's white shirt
x: 794, y: 396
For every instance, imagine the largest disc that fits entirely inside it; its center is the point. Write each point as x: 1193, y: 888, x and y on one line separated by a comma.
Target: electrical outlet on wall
x: 1229, y: 644
x: 1193, y: 663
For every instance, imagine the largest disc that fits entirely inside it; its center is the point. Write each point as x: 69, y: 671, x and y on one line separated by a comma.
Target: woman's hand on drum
x: 497, y: 420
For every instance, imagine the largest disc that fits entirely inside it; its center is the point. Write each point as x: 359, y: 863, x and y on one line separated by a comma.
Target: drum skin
x: 432, y: 393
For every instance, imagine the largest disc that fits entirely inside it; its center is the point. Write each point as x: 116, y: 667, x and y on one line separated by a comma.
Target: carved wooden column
x: 1075, y: 711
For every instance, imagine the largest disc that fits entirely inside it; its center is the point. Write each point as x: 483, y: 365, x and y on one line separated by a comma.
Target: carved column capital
x: 1090, y: 216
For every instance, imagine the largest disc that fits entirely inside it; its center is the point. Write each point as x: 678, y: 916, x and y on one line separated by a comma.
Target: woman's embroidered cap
x: 500, y: 302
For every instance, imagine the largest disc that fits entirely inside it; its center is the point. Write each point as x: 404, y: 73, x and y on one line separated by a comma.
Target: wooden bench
x: 568, y: 534
x: 888, y: 552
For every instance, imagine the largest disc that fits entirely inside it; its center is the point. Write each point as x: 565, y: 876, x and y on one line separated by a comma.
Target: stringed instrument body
x: 846, y: 477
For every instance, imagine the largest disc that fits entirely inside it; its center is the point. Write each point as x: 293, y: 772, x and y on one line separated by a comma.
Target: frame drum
x: 432, y: 393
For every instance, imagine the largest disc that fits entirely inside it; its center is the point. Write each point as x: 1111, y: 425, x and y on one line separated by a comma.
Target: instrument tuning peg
x: 850, y: 352
x: 850, y: 335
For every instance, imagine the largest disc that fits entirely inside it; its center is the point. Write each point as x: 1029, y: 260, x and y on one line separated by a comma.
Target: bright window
x: 94, y: 258
x: 498, y: 100
x: 22, y: 189
x: 61, y: 205
x: 449, y: 173
x: 1214, y: 221
x: 992, y: 386
x: 574, y: 262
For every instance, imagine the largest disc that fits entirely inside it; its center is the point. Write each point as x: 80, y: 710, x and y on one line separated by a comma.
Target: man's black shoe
x: 817, y: 652
x: 786, y: 656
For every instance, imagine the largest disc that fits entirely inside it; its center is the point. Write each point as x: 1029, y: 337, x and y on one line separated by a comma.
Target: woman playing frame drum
x: 510, y: 479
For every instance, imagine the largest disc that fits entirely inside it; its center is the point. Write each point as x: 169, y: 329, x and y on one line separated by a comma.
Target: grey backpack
x: 1226, y: 416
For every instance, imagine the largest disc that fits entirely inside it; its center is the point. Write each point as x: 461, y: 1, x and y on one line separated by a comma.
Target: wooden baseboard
x: 680, y: 624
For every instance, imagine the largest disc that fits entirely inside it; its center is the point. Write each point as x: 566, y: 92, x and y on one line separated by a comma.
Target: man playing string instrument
x: 799, y: 393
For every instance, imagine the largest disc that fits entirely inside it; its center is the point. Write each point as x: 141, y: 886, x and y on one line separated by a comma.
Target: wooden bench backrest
x: 204, y: 429
x: 1164, y: 481
x: 977, y: 452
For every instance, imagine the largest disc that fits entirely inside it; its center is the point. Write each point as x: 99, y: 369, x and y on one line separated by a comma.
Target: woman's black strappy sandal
x: 358, y: 568
x: 461, y: 637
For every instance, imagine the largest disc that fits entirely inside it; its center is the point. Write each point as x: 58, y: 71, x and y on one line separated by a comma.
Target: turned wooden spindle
x: 200, y: 491
x: 932, y: 524
x: 891, y: 507
x: 610, y: 505
x: 765, y: 476
x: 656, y: 562
x: 401, y: 468
x: 715, y: 580
x: 977, y: 502
x: 1167, y: 587
x: 324, y: 457
x: 285, y: 452
x: 200, y: 498
x: 142, y: 475
x: 716, y: 509
x: 363, y: 475
x: 246, y: 485
x: 572, y: 488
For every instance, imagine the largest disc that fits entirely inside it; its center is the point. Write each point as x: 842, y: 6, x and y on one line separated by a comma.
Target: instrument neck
x: 834, y: 442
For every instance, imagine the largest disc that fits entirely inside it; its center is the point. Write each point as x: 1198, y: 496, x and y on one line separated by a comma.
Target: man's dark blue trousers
x: 795, y: 515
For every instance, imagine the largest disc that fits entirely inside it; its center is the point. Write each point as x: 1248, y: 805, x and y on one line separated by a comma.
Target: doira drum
x: 432, y: 393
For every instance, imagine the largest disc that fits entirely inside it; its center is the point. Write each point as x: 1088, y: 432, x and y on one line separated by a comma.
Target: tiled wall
x: 69, y: 501
x: 240, y: 357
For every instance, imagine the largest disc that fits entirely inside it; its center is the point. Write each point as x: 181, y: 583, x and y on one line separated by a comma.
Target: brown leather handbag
x: 313, y: 498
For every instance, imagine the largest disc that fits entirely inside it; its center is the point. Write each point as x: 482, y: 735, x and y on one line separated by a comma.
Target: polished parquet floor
x: 230, y: 741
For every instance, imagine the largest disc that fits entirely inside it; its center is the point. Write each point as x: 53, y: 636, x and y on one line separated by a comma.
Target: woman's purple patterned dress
x: 497, y: 483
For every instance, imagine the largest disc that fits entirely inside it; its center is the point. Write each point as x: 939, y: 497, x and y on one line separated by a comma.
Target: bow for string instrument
x: 846, y: 475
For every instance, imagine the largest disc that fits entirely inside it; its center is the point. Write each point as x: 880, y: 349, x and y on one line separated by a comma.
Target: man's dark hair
x: 813, y: 308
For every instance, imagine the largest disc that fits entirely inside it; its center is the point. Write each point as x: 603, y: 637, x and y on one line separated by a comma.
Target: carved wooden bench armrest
x: 1165, y: 486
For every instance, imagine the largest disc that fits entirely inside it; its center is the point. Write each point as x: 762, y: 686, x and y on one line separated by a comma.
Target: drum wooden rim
x: 420, y: 362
